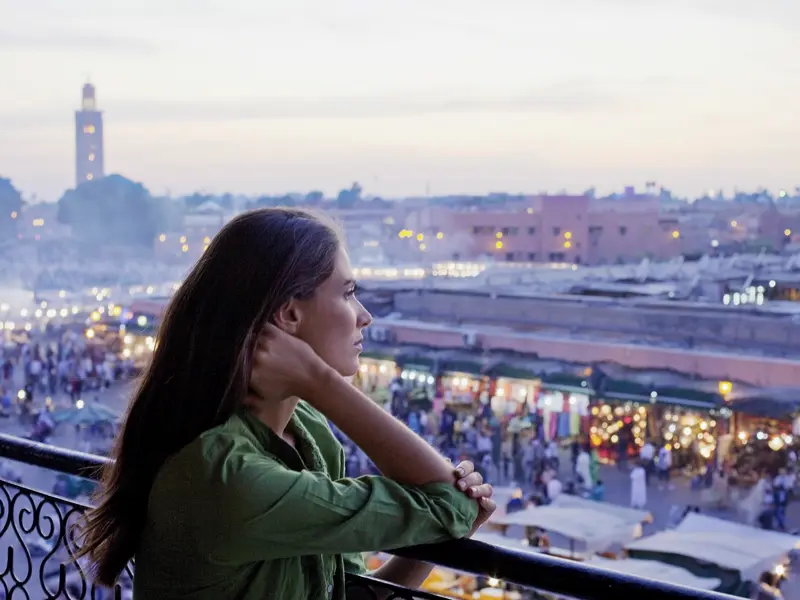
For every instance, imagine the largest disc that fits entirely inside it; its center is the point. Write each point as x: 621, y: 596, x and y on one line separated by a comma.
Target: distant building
x: 193, y: 236
x: 560, y: 229
x: 89, y: 162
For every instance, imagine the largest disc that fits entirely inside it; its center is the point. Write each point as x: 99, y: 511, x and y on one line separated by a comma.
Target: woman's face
x: 333, y: 320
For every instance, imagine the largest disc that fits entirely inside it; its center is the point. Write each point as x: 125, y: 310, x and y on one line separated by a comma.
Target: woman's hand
x: 285, y: 366
x: 469, y: 481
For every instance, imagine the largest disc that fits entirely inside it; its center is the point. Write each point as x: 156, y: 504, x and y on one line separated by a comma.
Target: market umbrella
x: 90, y: 413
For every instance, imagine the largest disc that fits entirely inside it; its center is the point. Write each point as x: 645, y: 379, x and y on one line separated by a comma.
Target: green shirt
x: 239, y: 514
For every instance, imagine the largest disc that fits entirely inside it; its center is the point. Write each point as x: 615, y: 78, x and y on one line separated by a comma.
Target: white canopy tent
x: 596, y: 530
x: 629, y: 515
x: 699, y: 523
x: 652, y: 569
x: 751, y: 557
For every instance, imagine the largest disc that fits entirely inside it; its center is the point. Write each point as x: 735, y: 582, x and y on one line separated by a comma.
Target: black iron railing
x: 37, y: 529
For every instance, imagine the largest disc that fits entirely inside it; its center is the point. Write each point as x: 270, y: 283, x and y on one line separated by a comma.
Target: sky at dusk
x: 267, y: 96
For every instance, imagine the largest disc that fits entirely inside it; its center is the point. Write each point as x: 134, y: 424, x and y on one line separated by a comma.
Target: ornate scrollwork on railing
x: 37, y: 533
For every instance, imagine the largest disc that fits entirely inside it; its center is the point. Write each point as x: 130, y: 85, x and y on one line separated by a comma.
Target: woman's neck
x: 274, y: 413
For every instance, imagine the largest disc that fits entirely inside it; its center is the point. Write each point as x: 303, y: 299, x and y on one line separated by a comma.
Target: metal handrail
x: 547, y: 573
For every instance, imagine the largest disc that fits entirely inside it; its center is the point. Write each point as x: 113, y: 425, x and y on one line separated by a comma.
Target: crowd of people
x: 515, y: 452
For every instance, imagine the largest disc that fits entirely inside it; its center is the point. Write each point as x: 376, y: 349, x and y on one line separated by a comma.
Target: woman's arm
x: 397, y: 451
x: 412, y: 573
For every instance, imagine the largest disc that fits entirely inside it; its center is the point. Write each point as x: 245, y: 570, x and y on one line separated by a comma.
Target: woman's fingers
x: 481, y: 491
x: 472, y: 480
x: 487, y: 505
x: 464, y: 468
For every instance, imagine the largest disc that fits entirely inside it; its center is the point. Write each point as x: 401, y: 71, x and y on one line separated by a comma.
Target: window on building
x: 513, y: 230
x: 531, y: 230
x: 623, y: 230
x: 89, y: 177
x: 88, y: 129
x: 557, y: 257
x: 531, y: 256
x: 91, y: 156
x: 556, y: 230
x: 509, y: 256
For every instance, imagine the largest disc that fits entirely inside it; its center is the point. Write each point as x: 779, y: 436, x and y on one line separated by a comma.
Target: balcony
x: 35, y: 527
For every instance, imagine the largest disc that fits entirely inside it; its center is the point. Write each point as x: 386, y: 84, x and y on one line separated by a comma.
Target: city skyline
x: 248, y: 97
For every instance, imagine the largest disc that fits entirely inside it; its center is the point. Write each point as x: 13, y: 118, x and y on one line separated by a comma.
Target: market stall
x: 563, y: 414
x: 374, y: 377
x: 511, y: 395
x: 658, y: 571
x: 632, y: 516
x: 616, y: 426
x: 593, y: 530
x: 720, y: 554
x: 461, y: 389
x: 690, y: 434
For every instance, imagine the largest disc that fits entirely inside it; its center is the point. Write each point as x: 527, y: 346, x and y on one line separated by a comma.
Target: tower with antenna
x: 89, y: 163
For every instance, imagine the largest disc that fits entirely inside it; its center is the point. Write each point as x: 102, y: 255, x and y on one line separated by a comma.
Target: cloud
x: 562, y: 98
x: 74, y: 41
x: 782, y: 14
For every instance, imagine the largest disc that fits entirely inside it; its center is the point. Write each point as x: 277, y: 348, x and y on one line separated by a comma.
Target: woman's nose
x: 364, y: 318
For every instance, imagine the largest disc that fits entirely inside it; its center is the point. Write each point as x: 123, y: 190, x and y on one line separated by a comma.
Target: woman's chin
x: 347, y: 371
x: 346, y: 366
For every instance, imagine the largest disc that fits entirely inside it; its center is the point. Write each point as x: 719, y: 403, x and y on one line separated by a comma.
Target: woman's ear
x: 288, y: 317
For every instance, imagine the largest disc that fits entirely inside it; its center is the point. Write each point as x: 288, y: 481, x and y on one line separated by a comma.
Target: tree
x: 348, y: 198
x: 112, y: 210
x: 314, y: 198
x: 10, y: 207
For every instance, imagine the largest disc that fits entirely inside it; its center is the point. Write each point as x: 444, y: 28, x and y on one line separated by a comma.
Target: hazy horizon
x: 527, y: 95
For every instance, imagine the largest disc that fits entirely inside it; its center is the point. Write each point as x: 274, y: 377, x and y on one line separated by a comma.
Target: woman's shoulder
x: 216, y: 453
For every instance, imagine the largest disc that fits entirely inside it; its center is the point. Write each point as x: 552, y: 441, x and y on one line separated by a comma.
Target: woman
x: 228, y: 482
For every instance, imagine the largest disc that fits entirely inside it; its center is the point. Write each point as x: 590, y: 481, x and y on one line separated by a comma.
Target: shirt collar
x: 306, y: 454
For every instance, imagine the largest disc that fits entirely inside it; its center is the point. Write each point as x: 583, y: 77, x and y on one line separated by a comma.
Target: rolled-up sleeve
x: 271, y: 512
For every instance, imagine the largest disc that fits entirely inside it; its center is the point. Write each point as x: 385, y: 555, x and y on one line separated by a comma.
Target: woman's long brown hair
x: 200, y: 370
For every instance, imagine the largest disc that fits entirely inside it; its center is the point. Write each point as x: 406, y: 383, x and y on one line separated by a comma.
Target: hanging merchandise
x: 562, y: 413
